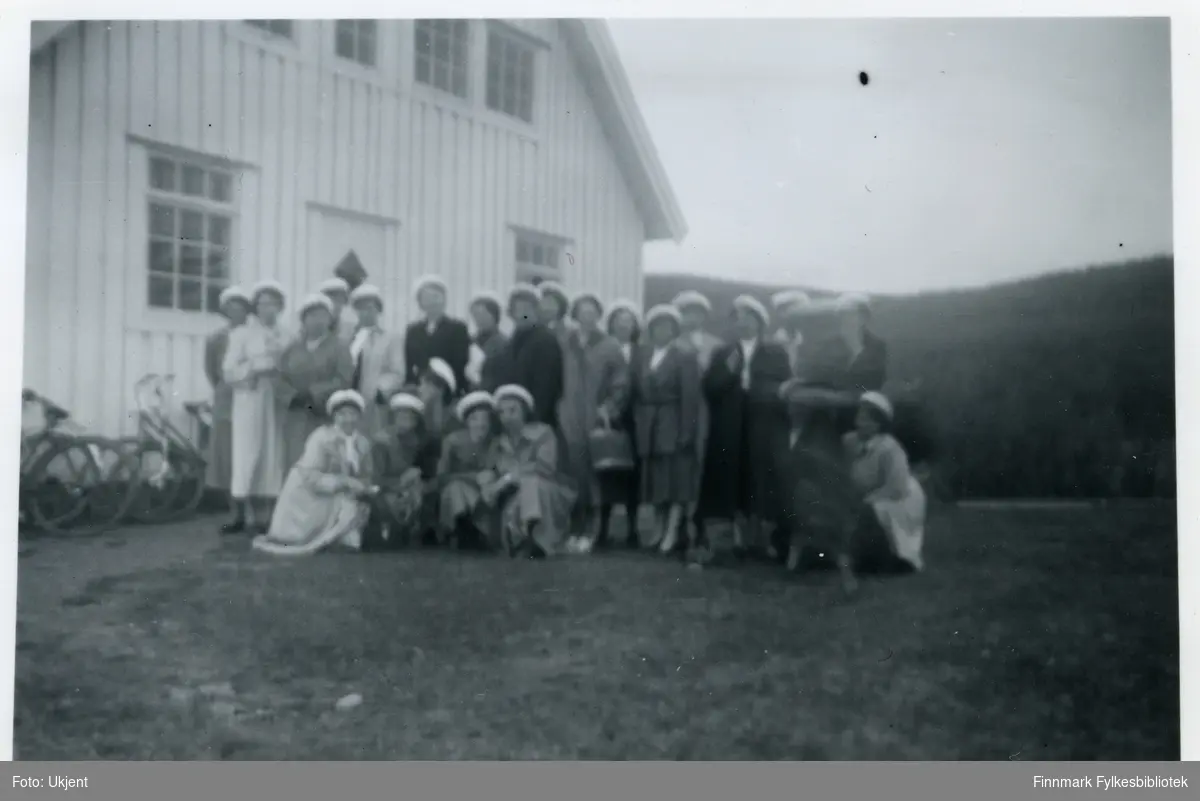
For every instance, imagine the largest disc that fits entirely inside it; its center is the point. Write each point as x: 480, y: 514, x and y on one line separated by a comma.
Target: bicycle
x: 68, y: 477
x: 173, y: 468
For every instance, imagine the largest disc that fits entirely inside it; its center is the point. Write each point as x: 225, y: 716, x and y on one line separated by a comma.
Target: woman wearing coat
x: 251, y: 367
x: 665, y: 411
x: 864, y: 355
x: 343, y: 323
x: 595, y: 388
x: 623, y: 488
x: 747, y: 416
x: 532, y: 358
x: 235, y: 306
x: 435, y: 335
x: 554, y: 306
x: 313, y: 367
x: 489, y: 341
x: 378, y: 358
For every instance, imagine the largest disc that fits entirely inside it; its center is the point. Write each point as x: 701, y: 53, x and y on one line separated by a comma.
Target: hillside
x: 1056, y: 386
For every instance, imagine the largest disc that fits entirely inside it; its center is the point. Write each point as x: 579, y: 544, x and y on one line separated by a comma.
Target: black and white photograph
x: 579, y: 386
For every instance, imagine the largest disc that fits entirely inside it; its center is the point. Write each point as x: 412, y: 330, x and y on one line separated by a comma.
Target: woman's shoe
x: 669, y: 542
x: 237, y: 526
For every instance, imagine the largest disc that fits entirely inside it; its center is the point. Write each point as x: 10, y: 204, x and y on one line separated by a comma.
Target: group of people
x: 348, y: 435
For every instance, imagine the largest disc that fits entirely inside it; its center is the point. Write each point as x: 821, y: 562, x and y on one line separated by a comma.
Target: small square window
x: 193, y: 181
x: 161, y: 292
x: 355, y: 40
x: 441, y: 52
x: 162, y: 174
x: 219, y: 186
x: 510, y: 76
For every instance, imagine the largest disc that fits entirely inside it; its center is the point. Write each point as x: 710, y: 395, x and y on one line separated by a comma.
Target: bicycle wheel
x: 56, y: 487
x: 110, y: 501
x: 158, y: 482
x: 192, y: 472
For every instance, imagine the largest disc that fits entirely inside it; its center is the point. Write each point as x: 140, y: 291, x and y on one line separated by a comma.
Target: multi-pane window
x: 356, y: 40
x: 190, y: 231
x: 537, y: 258
x: 442, y: 54
x: 278, y: 27
x: 509, y: 75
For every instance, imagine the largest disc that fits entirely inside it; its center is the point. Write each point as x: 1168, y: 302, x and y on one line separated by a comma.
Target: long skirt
x: 258, y: 457
x: 219, y: 474
x: 903, y: 522
x: 621, y: 487
x: 669, y: 478
x: 298, y: 426
x: 537, y: 508
x: 306, y: 522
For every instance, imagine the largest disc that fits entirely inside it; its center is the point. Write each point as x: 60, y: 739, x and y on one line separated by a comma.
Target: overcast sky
x: 980, y: 150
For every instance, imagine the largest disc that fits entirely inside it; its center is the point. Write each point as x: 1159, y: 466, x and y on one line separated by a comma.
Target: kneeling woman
x: 463, y: 517
x: 404, y: 458
x: 530, y: 497
x: 323, y: 500
x: 890, y: 529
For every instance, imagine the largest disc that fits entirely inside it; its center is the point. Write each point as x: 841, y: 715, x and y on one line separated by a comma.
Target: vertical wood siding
x: 444, y: 180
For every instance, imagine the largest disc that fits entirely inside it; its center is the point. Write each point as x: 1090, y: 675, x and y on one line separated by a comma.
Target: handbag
x: 611, y: 449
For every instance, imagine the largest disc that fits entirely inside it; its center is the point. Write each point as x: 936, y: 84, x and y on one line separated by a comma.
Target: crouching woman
x: 463, y: 517
x: 529, y: 496
x: 404, y: 458
x: 322, y: 504
x: 890, y: 529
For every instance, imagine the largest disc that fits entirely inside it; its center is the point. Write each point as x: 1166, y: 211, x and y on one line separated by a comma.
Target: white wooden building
x: 169, y: 159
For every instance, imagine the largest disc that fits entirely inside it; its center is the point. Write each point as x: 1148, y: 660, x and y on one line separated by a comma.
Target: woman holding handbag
x: 622, y: 486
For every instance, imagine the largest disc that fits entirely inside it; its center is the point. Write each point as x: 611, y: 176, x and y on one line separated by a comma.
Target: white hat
x: 443, y: 371
x: 367, y: 292
x: 749, y: 303
x: 233, y: 293
x: 313, y: 301
x: 487, y: 296
x: 790, y: 300
x: 622, y: 305
x: 273, y: 287
x: 553, y: 288
x: 515, y: 391
x: 404, y: 400
x: 879, y: 401
x: 334, y: 285
x: 523, y: 290
x: 389, y: 384
x: 429, y: 282
x: 663, y: 310
x: 690, y: 297
x: 583, y: 297
x: 344, y: 397
x: 473, y: 401
x: 853, y: 301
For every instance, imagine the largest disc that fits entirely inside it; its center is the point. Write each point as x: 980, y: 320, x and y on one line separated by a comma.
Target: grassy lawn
x: 1034, y: 635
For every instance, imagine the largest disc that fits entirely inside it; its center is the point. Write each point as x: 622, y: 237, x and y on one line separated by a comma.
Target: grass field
x: 1034, y: 635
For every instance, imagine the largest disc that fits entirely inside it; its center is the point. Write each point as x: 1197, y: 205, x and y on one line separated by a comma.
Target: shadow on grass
x: 1033, y: 636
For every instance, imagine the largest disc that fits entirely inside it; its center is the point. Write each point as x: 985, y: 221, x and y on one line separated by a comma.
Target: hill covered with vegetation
x: 1057, y: 386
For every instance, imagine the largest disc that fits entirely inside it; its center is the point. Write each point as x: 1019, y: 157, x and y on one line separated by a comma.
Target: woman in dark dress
x: 532, y: 358
x: 489, y: 341
x: 435, y: 335
x: 623, y: 488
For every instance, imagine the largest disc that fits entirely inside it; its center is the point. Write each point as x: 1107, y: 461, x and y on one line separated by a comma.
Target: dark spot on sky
x: 863, y: 78
x: 1120, y: 244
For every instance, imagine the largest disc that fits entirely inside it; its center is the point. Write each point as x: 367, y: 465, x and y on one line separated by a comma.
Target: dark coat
x: 532, y: 359
x: 744, y: 427
x: 450, y: 342
x: 666, y: 403
x: 493, y: 345
x: 868, y: 370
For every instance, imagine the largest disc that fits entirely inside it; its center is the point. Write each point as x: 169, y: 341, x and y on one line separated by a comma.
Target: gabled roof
x: 609, y: 88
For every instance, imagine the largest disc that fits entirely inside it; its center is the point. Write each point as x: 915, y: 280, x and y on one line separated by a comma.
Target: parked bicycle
x: 172, y: 467
x: 69, y: 479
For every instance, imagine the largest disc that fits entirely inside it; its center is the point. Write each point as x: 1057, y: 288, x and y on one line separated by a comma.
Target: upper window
x: 190, y: 233
x: 278, y: 27
x: 442, y: 54
x: 509, y: 75
x: 356, y: 40
x: 537, y: 258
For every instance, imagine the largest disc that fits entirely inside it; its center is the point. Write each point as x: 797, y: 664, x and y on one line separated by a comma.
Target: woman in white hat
x: 595, y: 392
x: 435, y: 335
x: 555, y: 305
x: 438, y: 388
x: 526, y: 489
x: 665, y: 412
x: 378, y: 357
x: 888, y: 533
x: 234, y: 304
x: 343, y: 323
x: 864, y: 357
x: 462, y: 516
x: 405, y: 461
x: 489, y: 341
x: 742, y: 386
x: 251, y: 368
x: 791, y: 308
x: 533, y: 358
x: 623, y: 322
x: 312, y: 368
x: 324, y: 502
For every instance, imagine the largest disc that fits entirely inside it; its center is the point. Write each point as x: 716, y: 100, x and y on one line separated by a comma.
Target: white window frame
x: 513, y: 37
x: 528, y: 269
x: 467, y: 65
x: 356, y: 34
x: 142, y: 195
x: 265, y: 30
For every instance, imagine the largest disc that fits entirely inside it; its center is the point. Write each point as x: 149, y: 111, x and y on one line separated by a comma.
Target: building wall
x: 318, y: 144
